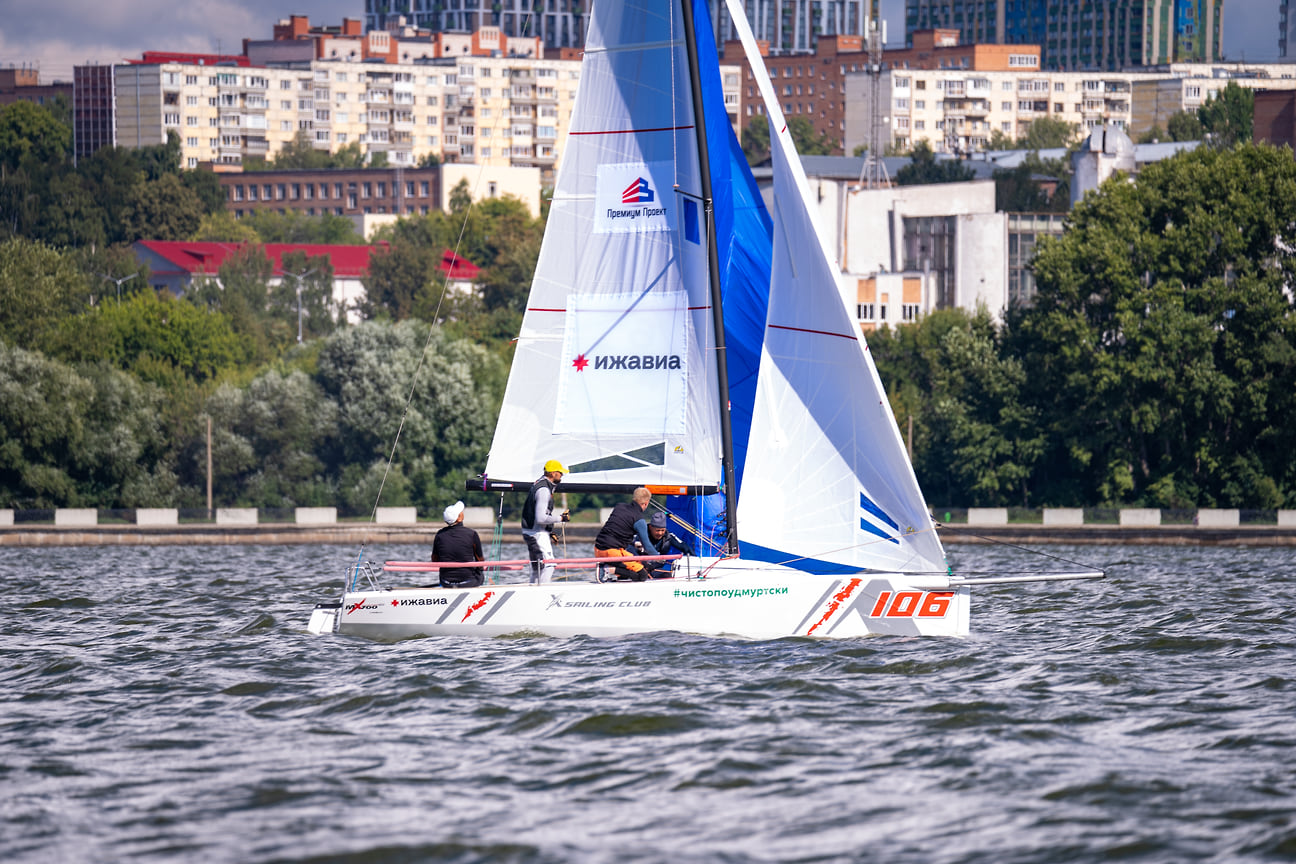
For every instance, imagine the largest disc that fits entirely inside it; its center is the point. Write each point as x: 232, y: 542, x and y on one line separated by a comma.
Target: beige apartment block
x: 494, y: 111
x: 957, y: 111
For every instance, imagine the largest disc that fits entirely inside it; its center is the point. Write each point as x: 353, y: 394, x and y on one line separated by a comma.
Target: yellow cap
x: 554, y: 465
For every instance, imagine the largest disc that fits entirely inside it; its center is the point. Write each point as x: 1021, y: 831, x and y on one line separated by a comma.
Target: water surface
x: 167, y: 704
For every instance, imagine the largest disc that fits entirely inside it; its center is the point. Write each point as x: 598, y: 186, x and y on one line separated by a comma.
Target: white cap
x: 453, y: 512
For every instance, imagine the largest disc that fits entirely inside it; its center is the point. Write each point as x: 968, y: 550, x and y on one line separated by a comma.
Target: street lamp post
x: 119, y: 282
x: 298, y: 277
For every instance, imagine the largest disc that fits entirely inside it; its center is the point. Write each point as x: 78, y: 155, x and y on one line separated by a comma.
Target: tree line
x: 1156, y: 366
x: 106, y: 386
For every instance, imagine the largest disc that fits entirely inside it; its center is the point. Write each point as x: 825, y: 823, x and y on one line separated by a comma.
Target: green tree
x: 69, y: 439
x: 30, y: 135
x: 399, y: 278
x: 1047, y: 133
x: 1185, y: 126
x: 976, y: 441
x: 204, y: 183
x: 311, y: 307
x: 1000, y: 140
x: 756, y: 141
x: 241, y: 292
x: 925, y: 168
x: 270, y: 442
x: 223, y: 227
x: 154, y: 336
x: 1229, y: 117
x: 163, y: 209
x: 386, y: 378
x: 807, y: 141
x: 1160, y: 345
x: 297, y: 227
x: 38, y: 288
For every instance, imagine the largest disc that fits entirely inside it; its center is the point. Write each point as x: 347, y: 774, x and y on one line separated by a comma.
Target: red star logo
x: 580, y: 363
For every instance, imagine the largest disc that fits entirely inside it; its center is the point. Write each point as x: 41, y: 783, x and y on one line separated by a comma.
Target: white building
x: 957, y: 110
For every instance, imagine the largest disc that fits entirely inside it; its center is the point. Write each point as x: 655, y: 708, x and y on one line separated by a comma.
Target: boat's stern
x: 324, y: 618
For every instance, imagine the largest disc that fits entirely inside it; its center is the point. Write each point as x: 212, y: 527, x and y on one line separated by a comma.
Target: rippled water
x: 167, y: 704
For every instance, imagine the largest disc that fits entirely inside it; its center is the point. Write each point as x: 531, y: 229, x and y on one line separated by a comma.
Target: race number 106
x: 912, y: 604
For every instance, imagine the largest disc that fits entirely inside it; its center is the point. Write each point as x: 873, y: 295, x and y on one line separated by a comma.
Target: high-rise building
x: 785, y: 25
x: 93, y: 105
x: 1090, y: 35
x: 794, y: 26
x: 558, y: 23
x: 1286, y: 30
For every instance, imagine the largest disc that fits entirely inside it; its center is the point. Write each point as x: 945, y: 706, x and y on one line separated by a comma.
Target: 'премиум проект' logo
x: 638, y: 192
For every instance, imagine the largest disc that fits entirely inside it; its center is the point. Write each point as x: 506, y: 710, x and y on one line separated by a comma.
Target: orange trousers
x: 632, y: 566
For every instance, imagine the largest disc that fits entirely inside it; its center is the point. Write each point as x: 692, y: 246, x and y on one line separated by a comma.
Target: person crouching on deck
x: 664, y: 543
x: 538, y: 520
x: 619, y: 532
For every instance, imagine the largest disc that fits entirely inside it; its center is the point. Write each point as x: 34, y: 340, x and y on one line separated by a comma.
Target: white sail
x: 827, y: 485
x: 614, y: 374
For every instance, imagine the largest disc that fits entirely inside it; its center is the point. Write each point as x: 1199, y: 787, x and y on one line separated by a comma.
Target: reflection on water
x: 167, y: 703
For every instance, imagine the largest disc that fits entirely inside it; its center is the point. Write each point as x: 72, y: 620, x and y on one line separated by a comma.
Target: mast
x: 713, y: 267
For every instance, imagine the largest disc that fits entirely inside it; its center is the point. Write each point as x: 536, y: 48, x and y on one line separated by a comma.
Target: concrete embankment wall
x: 422, y: 533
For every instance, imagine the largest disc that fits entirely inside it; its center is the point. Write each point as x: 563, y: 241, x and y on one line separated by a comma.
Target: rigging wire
x: 998, y: 542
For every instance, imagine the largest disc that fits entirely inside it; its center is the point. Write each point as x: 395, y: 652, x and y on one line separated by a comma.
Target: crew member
x: 538, y: 520
x: 623, y: 525
x: 664, y: 542
x: 457, y: 542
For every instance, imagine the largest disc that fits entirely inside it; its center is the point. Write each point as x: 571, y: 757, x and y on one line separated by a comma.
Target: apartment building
x: 374, y: 191
x: 24, y: 85
x: 494, y: 110
x: 813, y: 86
x: 956, y: 111
x: 484, y: 110
x: 1108, y: 35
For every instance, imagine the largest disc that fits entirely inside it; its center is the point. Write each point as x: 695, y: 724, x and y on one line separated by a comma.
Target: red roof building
x: 173, y: 265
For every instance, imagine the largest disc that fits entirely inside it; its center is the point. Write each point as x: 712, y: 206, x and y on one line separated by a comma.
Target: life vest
x: 529, y: 508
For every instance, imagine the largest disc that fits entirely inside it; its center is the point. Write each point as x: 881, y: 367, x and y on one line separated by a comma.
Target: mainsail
x: 614, y: 373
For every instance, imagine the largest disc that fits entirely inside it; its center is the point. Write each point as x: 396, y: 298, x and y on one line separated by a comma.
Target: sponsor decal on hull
x: 557, y: 601
x: 885, y: 610
x: 729, y: 593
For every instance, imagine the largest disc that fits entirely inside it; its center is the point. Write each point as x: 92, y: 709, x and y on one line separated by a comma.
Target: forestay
x: 830, y: 488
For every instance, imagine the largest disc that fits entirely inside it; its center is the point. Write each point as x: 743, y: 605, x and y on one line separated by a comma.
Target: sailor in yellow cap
x: 538, y: 520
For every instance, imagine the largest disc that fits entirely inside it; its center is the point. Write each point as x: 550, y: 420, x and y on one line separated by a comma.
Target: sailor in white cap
x: 458, y: 543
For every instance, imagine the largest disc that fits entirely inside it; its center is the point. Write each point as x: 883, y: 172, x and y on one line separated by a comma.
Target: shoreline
x: 207, y: 534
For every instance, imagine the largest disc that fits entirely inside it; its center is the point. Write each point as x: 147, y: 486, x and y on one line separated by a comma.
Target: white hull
x: 765, y: 603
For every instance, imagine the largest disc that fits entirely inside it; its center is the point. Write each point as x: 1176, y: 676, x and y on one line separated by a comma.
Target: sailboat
x: 682, y: 337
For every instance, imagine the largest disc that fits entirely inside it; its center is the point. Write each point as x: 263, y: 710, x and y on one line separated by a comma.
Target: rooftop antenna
x: 873, y: 174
